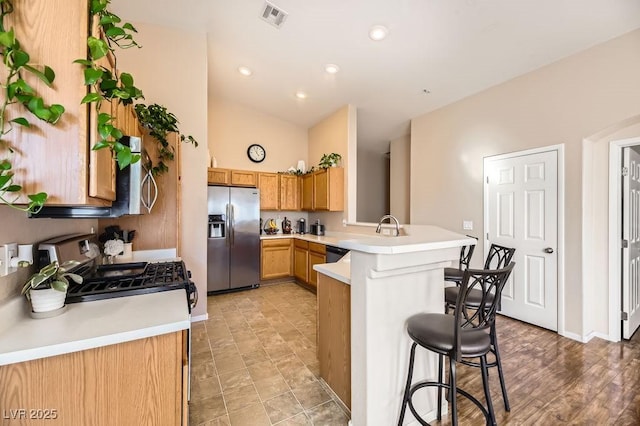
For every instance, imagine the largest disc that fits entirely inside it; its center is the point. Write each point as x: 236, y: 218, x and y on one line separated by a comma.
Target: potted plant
x: 47, y: 289
x: 330, y: 160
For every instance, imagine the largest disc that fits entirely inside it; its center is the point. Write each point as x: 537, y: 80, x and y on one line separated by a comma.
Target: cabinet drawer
x: 301, y: 244
x: 243, y: 178
x: 317, y: 248
x: 279, y: 242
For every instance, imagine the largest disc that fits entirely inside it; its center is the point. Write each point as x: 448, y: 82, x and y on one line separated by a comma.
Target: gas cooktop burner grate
x: 156, y: 277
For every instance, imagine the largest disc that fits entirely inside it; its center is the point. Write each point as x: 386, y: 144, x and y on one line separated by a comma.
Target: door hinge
x: 487, y: 179
x: 624, y: 316
x: 625, y: 243
x: 487, y: 236
x: 625, y: 171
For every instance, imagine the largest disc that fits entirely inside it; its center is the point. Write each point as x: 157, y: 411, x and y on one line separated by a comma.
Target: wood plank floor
x: 553, y: 380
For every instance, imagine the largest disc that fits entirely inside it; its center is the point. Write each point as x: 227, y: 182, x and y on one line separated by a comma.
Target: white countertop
x: 88, y: 325
x: 340, y: 270
x: 418, y: 238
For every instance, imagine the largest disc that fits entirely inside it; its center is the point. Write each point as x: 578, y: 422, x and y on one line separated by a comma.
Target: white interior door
x: 522, y: 212
x: 630, y: 234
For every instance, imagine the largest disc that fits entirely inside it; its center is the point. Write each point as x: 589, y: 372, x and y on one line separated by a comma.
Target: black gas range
x: 114, y: 280
x: 129, y: 279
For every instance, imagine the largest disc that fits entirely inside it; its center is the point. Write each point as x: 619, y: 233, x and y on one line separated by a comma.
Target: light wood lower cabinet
x: 276, y: 260
x: 334, y: 335
x: 317, y: 255
x: 301, y: 260
x: 134, y: 383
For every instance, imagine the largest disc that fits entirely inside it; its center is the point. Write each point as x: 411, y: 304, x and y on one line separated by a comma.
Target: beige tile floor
x: 254, y: 361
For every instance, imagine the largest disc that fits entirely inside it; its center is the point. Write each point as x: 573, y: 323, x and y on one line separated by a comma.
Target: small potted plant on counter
x: 330, y: 160
x: 47, y: 289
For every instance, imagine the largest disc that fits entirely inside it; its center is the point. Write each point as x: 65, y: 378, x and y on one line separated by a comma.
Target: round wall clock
x: 256, y: 153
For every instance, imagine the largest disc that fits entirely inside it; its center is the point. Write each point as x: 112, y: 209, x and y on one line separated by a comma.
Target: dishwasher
x: 335, y: 253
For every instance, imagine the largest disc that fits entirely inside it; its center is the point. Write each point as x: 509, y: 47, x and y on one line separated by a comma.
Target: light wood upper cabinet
x: 244, y: 178
x: 55, y: 159
x: 276, y: 260
x: 323, y: 190
x: 268, y: 183
x: 328, y: 192
x: 289, y: 192
x: 307, y: 192
x: 218, y: 176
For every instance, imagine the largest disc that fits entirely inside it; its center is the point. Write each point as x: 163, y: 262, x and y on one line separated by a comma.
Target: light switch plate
x: 467, y: 225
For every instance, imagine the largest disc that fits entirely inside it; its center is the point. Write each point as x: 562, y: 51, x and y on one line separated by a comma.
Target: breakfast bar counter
x: 392, y: 278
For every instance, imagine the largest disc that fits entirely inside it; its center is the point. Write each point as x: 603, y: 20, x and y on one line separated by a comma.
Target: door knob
x: 548, y: 250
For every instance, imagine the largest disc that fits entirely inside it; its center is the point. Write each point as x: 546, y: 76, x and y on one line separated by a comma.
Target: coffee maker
x: 302, y: 226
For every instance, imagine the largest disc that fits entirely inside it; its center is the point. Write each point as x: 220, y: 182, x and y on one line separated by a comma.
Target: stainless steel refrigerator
x: 233, y: 248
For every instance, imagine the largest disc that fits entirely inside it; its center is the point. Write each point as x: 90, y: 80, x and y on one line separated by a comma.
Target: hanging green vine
x: 160, y: 123
x: 16, y: 90
x: 108, y: 85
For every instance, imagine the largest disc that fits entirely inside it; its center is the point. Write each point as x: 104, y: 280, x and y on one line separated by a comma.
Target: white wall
x: 16, y: 228
x: 171, y: 69
x: 233, y: 127
x: 373, y: 185
x: 400, y: 178
x: 563, y: 102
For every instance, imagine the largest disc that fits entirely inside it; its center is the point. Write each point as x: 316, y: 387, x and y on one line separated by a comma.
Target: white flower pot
x: 46, y: 299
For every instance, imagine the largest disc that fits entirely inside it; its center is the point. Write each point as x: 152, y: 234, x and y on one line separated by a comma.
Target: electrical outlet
x: 467, y: 225
x: 386, y: 231
x: 7, y: 251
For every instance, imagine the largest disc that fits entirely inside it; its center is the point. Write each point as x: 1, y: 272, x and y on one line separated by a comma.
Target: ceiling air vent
x: 273, y: 15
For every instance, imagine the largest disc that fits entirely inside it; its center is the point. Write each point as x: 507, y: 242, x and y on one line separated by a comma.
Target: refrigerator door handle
x: 233, y: 226
x: 228, y: 225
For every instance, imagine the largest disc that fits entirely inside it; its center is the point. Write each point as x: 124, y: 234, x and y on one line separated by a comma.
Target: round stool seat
x: 473, y: 298
x: 436, y: 332
x: 453, y: 274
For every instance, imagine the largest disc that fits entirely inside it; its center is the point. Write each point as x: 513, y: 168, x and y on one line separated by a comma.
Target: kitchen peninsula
x: 390, y: 278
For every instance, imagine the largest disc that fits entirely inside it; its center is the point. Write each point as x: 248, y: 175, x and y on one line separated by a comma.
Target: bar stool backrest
x: 465, y: 254
x: 479, y: 316
x: 498, y: 257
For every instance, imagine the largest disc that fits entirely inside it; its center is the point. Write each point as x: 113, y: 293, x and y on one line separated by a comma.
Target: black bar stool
x: 455, y: 274
x: 464, y: 335
x: 498, y: 257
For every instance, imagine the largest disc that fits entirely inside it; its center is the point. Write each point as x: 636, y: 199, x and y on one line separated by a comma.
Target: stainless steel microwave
x: 136, y: 191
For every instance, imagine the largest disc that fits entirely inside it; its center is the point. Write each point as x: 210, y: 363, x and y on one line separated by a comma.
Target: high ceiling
x: 450, y: 48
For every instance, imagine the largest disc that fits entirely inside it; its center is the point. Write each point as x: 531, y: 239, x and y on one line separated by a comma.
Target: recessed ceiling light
x: 331, y: 68
x: 378, y: 32
x: 301, y: 95
x: 245, y: 71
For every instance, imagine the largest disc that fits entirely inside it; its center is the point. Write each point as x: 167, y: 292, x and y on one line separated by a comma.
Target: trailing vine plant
x: 16, y: 90
x: 109, y: 85
x: 160, y: 123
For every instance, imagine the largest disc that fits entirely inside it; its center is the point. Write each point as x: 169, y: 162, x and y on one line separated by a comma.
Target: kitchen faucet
x: 390, y: 217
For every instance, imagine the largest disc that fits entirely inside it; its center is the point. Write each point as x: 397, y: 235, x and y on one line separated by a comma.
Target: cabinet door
x: 102, y: 168
x: 276, y: 259
x: 315, y: 259
x: 243, y: 178
x: 321, y: 190
x: 289, y: 198
x: 218, y: 177
x: 307, y: 192
x: 301, y: 263
x: 52, y: 158
x: 269, y: 195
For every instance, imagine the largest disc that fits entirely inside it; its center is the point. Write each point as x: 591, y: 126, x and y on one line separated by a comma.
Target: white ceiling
x: 452, y: 48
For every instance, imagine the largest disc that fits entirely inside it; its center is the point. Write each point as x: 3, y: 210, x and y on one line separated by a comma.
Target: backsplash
x: 17, y: 228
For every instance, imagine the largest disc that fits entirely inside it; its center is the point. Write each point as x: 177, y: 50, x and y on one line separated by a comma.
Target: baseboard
x: 574, y: 336
x: 199, y: 318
